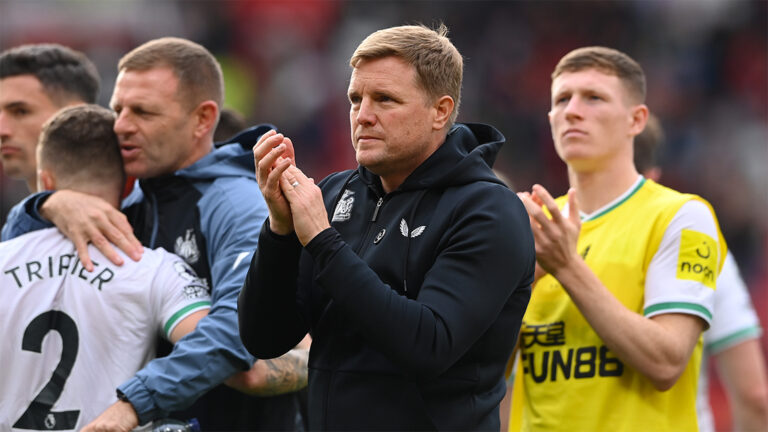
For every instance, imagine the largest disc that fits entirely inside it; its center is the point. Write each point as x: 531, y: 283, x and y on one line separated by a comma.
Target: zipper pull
x: 405, y: 285
x: 376, y: 210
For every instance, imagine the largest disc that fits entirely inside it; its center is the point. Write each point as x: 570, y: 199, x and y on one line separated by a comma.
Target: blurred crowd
x: 285, y: 63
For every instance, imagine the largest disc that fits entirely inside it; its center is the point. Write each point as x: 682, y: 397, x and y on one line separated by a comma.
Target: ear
x: 443, y: 109
x: 45, y: 180
x: 638, y: 120
x: 205, y: 115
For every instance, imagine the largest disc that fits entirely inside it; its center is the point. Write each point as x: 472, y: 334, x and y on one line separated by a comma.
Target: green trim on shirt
x: 629, y: 195
x: 742, y: 335
x: 175, y: 317
x: 678, y: 305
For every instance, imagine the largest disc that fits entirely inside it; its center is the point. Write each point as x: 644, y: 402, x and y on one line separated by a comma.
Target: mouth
x: 129, y: 151
x: 367, y: 138
x: 7, y: 150
x: 573, y: 133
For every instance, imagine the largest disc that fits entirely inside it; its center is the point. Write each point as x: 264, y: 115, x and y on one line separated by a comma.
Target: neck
x: 32, y: 184
x: 199, y: 150
x: 393, y: 180
x: 594, y: 189
x: 108, y: 192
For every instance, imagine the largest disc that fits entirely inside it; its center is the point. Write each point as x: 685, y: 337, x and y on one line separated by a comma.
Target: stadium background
x: 286, y: 63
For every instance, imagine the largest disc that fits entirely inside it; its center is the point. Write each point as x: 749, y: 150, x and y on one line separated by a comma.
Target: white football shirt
x: 70, y: 337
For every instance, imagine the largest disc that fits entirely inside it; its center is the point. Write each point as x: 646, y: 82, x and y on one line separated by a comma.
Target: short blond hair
x: 439, y: 65
x: 607, y: 60
x: 199, y: 74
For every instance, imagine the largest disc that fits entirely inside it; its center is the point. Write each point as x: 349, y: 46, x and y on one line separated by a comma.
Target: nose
x: 366, y: 115
x: 5, y: 127
x: 123, y: 124
x: 572, y: 110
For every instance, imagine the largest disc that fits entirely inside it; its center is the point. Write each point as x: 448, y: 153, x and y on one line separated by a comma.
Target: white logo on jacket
x: 186, y: 247
x: 416, y: 231
x: 343, y: 209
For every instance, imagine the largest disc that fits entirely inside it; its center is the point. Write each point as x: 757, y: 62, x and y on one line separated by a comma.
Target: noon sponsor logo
x: 697, y: 259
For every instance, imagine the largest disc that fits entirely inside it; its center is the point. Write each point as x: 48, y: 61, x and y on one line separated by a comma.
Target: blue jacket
x: 210, y: 214
x: 413, y: 298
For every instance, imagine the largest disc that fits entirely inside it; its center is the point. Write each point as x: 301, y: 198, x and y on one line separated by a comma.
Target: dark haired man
x: 35, y: 82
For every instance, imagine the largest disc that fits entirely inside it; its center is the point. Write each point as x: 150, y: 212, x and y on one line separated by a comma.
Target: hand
x: 119, y: 417
x: 273, y: 154
x: 87, y: 219
x: 307, y: 206
x: 538, y: 272
x: 555, y: 238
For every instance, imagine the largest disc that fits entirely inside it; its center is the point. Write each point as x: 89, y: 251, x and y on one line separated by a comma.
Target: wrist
x: 568, y: 271
x: 126, y: 406
x: 278, y: 228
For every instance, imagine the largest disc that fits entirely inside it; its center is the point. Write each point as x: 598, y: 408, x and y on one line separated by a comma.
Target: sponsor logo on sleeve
x: 196, y: 287
x: 697, y: 258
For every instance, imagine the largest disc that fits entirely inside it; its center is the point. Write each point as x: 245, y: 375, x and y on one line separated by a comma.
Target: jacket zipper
x: 376, y: 210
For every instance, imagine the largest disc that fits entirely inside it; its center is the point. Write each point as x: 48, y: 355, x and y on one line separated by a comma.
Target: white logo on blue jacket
x: 186, y: 247
x: 416, y: 231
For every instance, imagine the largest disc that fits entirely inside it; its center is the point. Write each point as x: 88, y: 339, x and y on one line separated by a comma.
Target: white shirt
x: 70, y: 337
x: 734, y: 322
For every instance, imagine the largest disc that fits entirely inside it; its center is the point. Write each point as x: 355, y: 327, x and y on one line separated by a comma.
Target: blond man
x: 412, y: 271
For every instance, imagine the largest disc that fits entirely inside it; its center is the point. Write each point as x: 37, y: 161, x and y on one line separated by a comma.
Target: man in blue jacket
x: 413, y: 272
x: 188, y: 201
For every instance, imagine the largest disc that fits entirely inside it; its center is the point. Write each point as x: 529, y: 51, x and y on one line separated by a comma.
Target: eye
x: 19, y: 111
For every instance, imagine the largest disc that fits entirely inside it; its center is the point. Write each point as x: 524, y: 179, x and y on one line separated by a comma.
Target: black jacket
x: 414, y: 298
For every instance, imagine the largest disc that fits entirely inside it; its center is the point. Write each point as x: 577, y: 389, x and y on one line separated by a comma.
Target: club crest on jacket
x: 344, y: 208
x: 186, y: 247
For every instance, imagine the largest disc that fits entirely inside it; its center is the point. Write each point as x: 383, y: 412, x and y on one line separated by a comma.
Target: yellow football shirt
x: 567, y: 379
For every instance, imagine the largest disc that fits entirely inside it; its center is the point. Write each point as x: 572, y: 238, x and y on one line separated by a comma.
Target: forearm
x: 268, y: 297
x: 426, y: 335
x: 743, y: 372
x: 285, y: 374
x: 654, y: 347
x: 200, y: 361
x: 24, y: 217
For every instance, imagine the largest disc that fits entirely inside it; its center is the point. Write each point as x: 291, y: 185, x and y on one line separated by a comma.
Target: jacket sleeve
x: 24, y: 217
x: 488, y: 253
x: 213, y: 352
x: 268, y: 298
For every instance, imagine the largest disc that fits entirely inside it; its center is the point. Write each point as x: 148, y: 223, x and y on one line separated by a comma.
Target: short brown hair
x: 439, y: 66
x: 607, y: 60
x: 647, y: 144
x: 78, y: 144
x: 199, y: 73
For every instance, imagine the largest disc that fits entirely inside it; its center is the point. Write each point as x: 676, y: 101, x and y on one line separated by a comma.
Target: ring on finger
x: 295, y: 183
